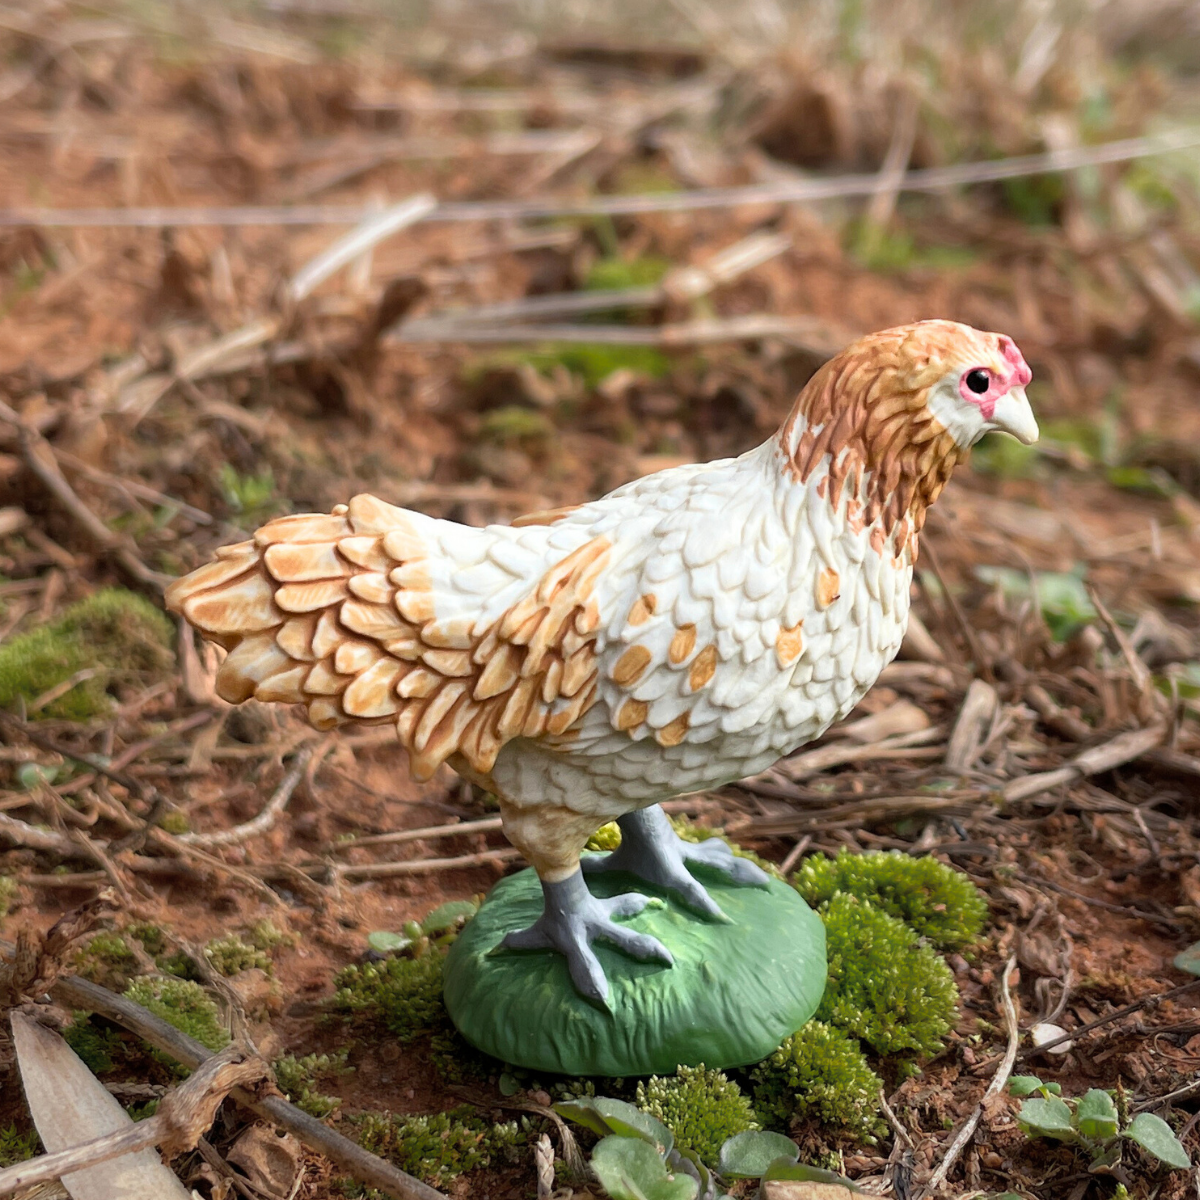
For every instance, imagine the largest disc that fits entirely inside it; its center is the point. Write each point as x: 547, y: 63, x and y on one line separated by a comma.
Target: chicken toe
x: 651, y: 850
x: 573, y: 919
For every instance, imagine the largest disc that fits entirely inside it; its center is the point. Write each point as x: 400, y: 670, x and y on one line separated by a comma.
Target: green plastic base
x: 735, y: 991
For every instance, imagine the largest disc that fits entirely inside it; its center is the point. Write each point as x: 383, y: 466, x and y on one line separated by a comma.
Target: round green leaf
x: 1096, y: 1115
x: 785, y: 1168
x: 1047, y: 1116
x: 387, y: 942
x: 608, y: 1117
x: 1024, y: 1085
x: 446, y: 915
x: 631, y: 1169
x: 748, y: 1155
x: 1154, y: 1136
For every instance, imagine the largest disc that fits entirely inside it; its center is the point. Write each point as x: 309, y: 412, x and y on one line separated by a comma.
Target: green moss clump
x: 595, y: 363
x: 263, y: 935
x: 100, y: 1047
x: 116, y: 631
x: 441, y: 1147
x: 16, y: 1147
x: 8, y: 889
x: 935, y: 900
x: 230, y: 954
x: 700, y: 1107
x: 108, y: 961
x: 404, y: 993
x: 297, y: 1078
x: 884, y: 987
x: 819, y: 1072
x: 618, y: 273
x: 181, y: 1003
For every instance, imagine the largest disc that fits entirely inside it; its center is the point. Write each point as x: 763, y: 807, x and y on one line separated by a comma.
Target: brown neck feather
x: 871, y: 418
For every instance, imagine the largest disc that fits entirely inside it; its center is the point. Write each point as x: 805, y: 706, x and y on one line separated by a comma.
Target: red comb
x: 1021, y: 374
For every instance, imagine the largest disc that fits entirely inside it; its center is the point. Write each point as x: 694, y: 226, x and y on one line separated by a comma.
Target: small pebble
x: 542, y: 1098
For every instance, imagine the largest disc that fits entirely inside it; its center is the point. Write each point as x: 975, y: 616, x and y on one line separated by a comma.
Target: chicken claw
x: 651, y: 850
x: 573, y: 919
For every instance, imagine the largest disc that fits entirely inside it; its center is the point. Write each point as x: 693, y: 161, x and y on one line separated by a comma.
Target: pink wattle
x: 999, y: 385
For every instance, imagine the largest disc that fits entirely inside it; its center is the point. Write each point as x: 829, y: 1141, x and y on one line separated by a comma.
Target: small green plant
x: 115, y: 633
x: 1062, y: 597
x: 1035, y: 199
x: 107, y: 960
x: 181, y: 1003
x: 297, y: 1078
x: 701, y: 1108
x: 263, y: 935
x: 247, y: 495
x: 405, y: 994
x: 819, y: 1072
x: 100, y: 1046
x: 595, y: 363
x: 1004, y: 457
x: 935, y: 900
x: 637, y: 1157
x: 615, y: 272
x: 441, y: 1147
x: 16, y: 1147
x: 885, y: 987
x: 1093, y: 1124
x: 8, y: 890
x: 230, y: 954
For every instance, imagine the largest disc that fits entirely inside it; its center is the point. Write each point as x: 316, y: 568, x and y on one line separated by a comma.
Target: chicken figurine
x: 585, y: 664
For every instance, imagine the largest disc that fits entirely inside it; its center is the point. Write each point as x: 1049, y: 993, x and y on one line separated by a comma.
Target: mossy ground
x: 117, y: 634
x: 890, y: 1001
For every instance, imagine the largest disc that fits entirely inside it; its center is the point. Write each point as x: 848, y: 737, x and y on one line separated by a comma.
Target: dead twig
x: 265, y: 819
x: 994, y: 1088
x: 1157, y: 998
x: 39, y: 457
x: 364, y: 1166
x: 780, y: 191
x: 183, y: 1114
x: 1125, y: 747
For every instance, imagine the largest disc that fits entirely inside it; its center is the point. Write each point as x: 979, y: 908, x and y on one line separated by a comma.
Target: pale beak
x: 1012, y: 414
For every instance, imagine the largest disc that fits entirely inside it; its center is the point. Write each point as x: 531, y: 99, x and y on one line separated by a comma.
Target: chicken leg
x: 653, y: 851
x: 573, y: 919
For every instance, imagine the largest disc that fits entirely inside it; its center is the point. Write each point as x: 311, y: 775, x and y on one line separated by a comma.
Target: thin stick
x: 1125, y: 747
x: 265, y: 819
x: 784, y: 191
x: 419, y: 866
x: 822, y: 335
x: 1110, y: 1017
x: 73, y: 992
x: 994, y: 1088
x: 487, y: 825
x: 194, y: 1101
x: 369, y: 234
x: 793, y: 856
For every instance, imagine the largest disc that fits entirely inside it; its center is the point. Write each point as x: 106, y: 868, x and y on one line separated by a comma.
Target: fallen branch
x: 369, y: 1169
x: 1125, y: 747
x: 39, y: 457
x: 994, y: 1088
x: 811, y: 333
x: 182, y: 1116
x: 487, y: 825
x: 265, y: 819
x: 782, y: 191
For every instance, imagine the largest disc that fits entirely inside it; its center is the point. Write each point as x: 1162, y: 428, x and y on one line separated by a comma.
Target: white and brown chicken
x: 584, y: 664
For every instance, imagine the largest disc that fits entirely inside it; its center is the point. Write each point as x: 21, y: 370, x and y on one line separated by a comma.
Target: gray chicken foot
x: 653, y: 851
x: 573, y: 919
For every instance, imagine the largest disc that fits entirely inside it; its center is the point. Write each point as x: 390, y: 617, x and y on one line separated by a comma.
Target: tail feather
x: 337, y: 612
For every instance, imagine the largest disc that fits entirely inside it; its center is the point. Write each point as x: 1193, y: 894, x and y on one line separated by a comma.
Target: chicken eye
x: 978, y: 381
